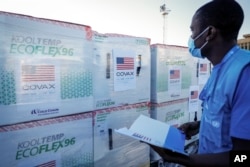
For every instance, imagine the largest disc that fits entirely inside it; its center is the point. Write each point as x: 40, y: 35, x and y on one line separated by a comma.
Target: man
x: 224, y: 125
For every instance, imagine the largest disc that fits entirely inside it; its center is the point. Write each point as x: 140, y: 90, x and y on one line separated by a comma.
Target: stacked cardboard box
x: 113, y: 149
x: 56, y: 78
x: 121, y: 94
x: 59, y: 142
x: 173, y: 72
x: 44, y: 68
x: 121, y: 70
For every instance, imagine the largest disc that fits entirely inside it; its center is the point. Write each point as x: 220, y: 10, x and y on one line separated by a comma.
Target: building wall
x: 244, y: 43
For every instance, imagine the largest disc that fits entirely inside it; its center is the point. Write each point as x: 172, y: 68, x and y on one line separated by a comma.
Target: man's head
x: 225, y: 15
x: 215, y: 27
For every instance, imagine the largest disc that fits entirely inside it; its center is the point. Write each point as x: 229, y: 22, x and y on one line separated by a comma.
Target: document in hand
x: 156, y: 133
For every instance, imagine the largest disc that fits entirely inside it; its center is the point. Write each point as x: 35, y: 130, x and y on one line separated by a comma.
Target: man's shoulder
x: 243, y: 57
x: 244, y: 53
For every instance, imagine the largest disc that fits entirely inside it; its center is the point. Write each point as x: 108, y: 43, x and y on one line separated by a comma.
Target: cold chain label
x: 173, y: 62
x: 174, y: 115
x: 36, y: 146
x: 105, y: 103
x: 36, y: 45
x: 142, y: 41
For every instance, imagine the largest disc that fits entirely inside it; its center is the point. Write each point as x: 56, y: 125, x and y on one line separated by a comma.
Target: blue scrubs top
x: 240, y: 118
x: 226, y: 105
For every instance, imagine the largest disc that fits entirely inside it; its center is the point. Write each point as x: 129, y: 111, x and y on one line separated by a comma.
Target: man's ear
x: 212, y: 32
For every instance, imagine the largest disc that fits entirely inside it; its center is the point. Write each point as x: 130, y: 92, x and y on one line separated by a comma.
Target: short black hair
x: 226, y: 15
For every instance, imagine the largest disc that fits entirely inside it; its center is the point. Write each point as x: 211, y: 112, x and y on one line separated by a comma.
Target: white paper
x: 174, y: 82
x: 193, y: 98
x: 203, y: 71
x: 156, y: 133
x: 124, y: 70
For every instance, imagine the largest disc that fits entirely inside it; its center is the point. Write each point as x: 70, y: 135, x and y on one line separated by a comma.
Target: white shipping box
x: 173, y: 113
x: 60, y: 142
x: 45, y: 68
x: 173, y: 71
x: 113, y: 149
x: 122, y: 70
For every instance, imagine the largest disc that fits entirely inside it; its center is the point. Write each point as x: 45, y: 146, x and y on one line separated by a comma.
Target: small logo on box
x: 41, y: 112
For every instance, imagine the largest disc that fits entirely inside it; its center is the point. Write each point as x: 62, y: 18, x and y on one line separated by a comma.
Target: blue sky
x: 131, y: 17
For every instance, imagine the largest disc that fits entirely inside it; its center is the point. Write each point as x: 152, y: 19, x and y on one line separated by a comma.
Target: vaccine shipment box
x: 59, y: 142
x: 173, y: 112
x: 45, y: 68
x: 173, y: 71
x: 113, y: 149
x: 175, y: 85
x: 121, y: 70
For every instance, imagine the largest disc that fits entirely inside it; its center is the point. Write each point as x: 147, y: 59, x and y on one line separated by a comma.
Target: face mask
x: 196, y: 52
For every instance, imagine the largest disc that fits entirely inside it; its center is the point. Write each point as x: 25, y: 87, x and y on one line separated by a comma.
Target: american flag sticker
x: 174, y: 74
x: 124, y: 63
x: 38, y: 73
x: 48, y: 164
x: 203, y: 67
x: 194, y: 94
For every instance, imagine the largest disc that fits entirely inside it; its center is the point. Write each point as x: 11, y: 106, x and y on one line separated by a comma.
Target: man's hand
x: 169, y: 156
x: 190, y: 129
